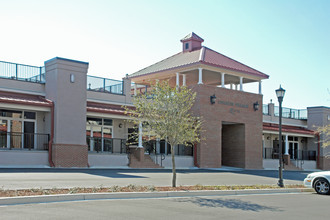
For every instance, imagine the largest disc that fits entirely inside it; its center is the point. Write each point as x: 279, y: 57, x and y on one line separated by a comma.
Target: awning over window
x: 24, y: 99
x: 287, y: 129
x: 105, y: 108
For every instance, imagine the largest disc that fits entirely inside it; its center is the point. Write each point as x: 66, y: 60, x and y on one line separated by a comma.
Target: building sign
x: 233, y: 110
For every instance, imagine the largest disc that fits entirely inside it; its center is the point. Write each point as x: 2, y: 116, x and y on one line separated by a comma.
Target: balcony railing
x: 22, y: 72
x: 20, y: 141
x: 99, y: 84
x: 110, y: 145
x: 291, y: 113
x: 273, y: 153
x: 137, y: 89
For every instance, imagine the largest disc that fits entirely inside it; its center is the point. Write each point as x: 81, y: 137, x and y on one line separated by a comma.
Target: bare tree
x: 166, y: 115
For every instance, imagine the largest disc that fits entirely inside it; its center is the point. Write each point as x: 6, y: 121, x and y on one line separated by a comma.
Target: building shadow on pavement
x: 135, y: 173
x: 235, y: 204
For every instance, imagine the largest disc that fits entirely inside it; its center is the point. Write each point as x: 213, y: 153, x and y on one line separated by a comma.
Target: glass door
x: 97, y: 137
x: 293, y: 150
x: 107, y: 139
x: 29, y: 137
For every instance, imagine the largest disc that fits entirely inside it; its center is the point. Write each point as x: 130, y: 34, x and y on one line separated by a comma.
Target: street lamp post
x: 280, y: 94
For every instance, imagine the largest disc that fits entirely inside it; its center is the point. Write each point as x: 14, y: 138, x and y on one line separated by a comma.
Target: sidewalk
x: 69, y: 178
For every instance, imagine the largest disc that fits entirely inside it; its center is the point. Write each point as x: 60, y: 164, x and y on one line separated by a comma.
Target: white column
x: 286, y: 150
x: 135, y: 89
x: 92, y: 140
x: 177, y: 79
x: 235, y: 86
x: 223, y: 80
x: 165, y: 147
x: 241, y: 83
x: 184, y: 80
x: 157, y: 146
x: 231, y: 86
x: 200, y: 75
x: 260, y: 92
x: 140, y: 135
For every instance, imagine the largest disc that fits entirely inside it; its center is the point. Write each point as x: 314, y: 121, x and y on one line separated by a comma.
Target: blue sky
x: 286, y: 39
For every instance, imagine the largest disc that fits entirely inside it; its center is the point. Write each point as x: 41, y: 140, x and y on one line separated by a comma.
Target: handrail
x: 22, y: 72
x: 21, y: 140
x: 110, y: 145
x: 272, y: 153
x: 291, y: 113
x: 99, y: 84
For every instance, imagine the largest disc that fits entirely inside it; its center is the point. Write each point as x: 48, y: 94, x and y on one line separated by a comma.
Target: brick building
x: 57, y: 115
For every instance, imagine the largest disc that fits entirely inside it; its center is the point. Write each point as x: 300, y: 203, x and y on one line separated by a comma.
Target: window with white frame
x: 17, y: 129
x: 99, y: 134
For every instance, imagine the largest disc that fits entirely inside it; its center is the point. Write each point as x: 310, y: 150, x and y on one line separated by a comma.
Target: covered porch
x: 300, y: 149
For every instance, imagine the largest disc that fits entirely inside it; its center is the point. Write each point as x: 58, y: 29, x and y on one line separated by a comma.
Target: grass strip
x: 130, y: 188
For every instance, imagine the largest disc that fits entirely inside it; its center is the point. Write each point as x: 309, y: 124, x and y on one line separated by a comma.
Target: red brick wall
x: 68, y: 155
x: 234, y: 107
x: 324, y: 163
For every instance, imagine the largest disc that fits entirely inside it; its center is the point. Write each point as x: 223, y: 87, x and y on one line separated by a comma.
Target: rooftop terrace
x: 36, y: 74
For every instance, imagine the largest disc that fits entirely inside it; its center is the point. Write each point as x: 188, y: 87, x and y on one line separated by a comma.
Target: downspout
x: 50, y: 143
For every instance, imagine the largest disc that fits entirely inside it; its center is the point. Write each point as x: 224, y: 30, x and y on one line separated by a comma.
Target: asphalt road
x: 272, y: 206
x: 68, y: 178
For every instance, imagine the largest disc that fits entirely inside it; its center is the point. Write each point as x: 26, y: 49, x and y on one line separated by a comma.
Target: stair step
x: 146, y: 163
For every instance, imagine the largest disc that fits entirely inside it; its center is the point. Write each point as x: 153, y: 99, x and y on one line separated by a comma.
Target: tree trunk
x: 173, y: 166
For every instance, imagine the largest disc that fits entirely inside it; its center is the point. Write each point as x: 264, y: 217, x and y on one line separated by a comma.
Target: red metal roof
x: 105, y: 108
x: 220, y: 60
x: 193, y: 36
x: 25, y: 99
x: 203, y: 55
x: 287, y: 128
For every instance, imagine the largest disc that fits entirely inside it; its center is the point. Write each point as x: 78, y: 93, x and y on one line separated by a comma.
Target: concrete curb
x: 137, y: 195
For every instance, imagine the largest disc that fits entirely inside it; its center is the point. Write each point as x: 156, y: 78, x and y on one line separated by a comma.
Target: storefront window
x: 17, y: 132
x: 10, y: 113
x: 29, y: 115
x: 99, y: 134
x: 108, y: 122
x: 94, y: 121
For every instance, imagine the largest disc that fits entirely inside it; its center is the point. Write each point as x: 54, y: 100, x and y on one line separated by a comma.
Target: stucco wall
x: 180, y: 161
x: 305, y: 165
x: 69, y: 99
x: 12, y: 85
x: 22, y: 158
x: 107, y: 160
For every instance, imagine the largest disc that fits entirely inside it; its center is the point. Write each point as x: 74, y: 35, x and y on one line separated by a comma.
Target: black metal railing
x: 273, y: 153
x: 19, y: 141
x: 22, y: 72
x: 180, y: 150
x: 291, y: 113
x: 307, y: 154
x: 110, y: 145
x: 99, y: 84
x: 265, y: 110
